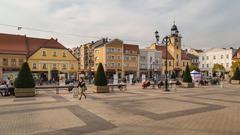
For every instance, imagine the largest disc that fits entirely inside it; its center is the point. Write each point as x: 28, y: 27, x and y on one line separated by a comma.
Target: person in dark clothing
x: 82, y: 88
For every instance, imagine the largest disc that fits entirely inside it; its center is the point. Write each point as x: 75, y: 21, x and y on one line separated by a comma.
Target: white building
x: 222, y: 56
x: 150, y: 63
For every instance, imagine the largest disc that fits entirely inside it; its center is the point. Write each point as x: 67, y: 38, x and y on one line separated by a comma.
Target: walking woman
x: 82, y: 88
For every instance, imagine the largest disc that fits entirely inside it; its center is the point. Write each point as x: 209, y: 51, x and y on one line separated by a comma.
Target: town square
x: 102, y: 67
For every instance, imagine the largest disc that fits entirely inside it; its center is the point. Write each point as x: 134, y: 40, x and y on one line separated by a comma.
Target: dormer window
x: 44, y: 53
x: 64, y: 54
x: 54, y: 54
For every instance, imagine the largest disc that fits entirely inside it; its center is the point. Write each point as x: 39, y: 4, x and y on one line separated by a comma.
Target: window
x: 134, y: 58
x: 126, y: 58
x: 202, y: 65
x: 207, y: 57
x: 202, y: 58
x: 119, y: 50
x: 44, y: 66
x: 177, y: 56
x: 5, y: 62
x: 64, y: 66
x: 207, y: 65
x: 227, y: 56
x: 54, y: 66
x: 221, y: 56
x: 64, y: 54
x: 44, y: 53
x: 13, y: 62
x: 54, y: 54
x: 96, y: 51
x: 72, y: 66
x: 143, y: 58
x: 34, y: 66
x: 227, y: 65
x: 184, y: 64
x: 119, y: 64
x: 20, y: 62
x: 112, y: 57
x: 214, y: 57
x: 169, y: 63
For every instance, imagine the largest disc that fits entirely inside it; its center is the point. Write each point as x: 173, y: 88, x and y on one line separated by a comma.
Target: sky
x: 203, y: 24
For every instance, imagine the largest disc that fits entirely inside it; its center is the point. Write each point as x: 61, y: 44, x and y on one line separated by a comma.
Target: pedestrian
x: 82, y: 88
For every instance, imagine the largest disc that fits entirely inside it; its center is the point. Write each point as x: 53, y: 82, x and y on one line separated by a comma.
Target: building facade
x: 131, y: 60
x: 177, y: 59
x: 150, y: 63
x: 47, y: 58
x: 13, y: 52
x: 222, y: 56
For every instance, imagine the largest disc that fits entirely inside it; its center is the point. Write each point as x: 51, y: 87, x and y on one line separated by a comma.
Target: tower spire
x: 173, y: 20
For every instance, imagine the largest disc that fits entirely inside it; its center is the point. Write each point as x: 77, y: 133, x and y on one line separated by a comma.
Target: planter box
x: 24, y: 92
x: 235, y: 81
x: 187, y: 85
x: 101, y: 89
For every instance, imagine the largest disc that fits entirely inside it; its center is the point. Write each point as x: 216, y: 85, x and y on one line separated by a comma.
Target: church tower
x: 175, y: 48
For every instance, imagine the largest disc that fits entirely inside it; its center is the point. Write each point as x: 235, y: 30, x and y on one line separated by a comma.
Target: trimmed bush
x: 187, y: 76
x: 236, y: 75
x: 100, y: 77
x: 24, y: 78
x: 173, y: 75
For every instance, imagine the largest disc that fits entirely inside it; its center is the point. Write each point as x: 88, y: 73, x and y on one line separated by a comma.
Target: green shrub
x: 100, y: 77
x: 173, y: 75
x: 24, y: 78
x: 187, y: 76
x: 236, y: 75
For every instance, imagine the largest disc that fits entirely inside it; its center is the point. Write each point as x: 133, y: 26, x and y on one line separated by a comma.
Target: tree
x: 24, y: 78
x: 235, y: 65
x: 194, y: 67
x: 236, y: 75
x: 218, y: 68
x: 173, y: 75
x: 100, y: 77
x: 187, y: 76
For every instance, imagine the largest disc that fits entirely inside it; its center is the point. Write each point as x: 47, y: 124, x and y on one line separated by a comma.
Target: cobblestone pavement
x: 209, y: 110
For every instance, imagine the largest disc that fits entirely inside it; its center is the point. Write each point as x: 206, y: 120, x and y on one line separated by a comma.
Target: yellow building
x: 110, y: 54
x: 48, y: 58
x: 86, y: 59
x: 12, y: 54
x: 131, y: 60
x: 177, y: 58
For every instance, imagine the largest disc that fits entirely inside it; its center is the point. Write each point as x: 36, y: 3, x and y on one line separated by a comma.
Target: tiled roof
x: 184, y: 56
x: 13, y: 44
x: 235, y: 56
x: 163, y: 49
x: 18, y: 44
x: 131, y: 47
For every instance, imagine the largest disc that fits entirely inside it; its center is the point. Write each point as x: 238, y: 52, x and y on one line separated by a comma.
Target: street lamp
x: 166, y: 40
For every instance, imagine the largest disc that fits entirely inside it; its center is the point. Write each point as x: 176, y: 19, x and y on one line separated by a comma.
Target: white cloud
x: 202, y: 23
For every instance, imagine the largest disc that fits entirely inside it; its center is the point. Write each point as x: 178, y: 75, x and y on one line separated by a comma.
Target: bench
x: 57, y: 88
x: 119, y: 86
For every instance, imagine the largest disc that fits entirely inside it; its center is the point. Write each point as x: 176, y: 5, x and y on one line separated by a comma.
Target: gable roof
x: 184, y: 56
x: 13, y: 44
x: 18, y: 44
x: 163, y: 49
x: 235, y: 55
x: 131, y: 47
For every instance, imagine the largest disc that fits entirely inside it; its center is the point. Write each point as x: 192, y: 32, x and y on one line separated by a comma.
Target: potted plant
x: 100, y: 80
x: 187, y: 79
x: 24, y: 83
x: 236, y: 77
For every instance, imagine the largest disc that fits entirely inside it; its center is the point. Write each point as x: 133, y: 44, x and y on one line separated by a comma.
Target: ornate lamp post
x: 166, y: 40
